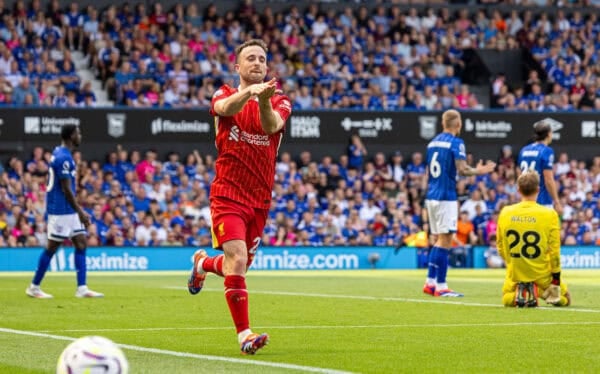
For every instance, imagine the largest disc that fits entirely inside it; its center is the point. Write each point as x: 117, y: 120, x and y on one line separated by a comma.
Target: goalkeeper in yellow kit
x: 528, y: 236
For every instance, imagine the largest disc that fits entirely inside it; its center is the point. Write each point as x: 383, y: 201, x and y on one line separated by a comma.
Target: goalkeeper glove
x: 552, y: 293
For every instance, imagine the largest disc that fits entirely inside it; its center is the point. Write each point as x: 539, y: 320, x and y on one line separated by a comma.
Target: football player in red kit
x: 249, y: 125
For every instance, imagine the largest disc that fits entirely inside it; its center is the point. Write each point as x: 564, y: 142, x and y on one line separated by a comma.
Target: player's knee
x: 235, y: 252
x: 237, y: 258
x: 53, y: 246
x: 51, y: 251
x: 79, y: 242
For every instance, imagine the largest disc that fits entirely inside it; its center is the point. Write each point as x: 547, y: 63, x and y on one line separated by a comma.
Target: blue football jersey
x: 538, y: 157
x: 442, y: 153
x: 62, y: 166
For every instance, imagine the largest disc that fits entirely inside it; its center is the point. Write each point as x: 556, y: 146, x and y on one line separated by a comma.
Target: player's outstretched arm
x: 485, y: 168
x: 481, y: 168
x: 233, y: 104
x: 270, y: 119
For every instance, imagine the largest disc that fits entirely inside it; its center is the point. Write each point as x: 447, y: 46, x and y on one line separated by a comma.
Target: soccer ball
x: 92, y: 355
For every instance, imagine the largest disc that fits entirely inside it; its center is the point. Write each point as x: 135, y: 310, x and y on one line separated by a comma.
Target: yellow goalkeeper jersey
x: 528, y: 237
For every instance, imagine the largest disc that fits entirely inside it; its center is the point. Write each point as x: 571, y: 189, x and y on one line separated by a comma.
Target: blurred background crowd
x: 358, y: 198
x: 387, y: 58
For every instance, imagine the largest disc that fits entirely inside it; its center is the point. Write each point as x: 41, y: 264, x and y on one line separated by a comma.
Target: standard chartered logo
x: 63, y: 262
x: 288, y: 261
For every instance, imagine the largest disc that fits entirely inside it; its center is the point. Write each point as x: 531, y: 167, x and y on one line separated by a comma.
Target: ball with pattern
x: 92, y: 355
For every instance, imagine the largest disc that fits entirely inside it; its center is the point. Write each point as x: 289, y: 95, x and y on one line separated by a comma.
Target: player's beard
x: 254, y: 77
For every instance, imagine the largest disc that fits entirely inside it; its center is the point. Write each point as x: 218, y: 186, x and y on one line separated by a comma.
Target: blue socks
x: 442, y: 265
x: 81, y: 267
x: 432, y: 266
x: 43, y: 263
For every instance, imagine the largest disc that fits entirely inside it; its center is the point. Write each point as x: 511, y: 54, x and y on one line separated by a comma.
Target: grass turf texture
x: 378, y: 322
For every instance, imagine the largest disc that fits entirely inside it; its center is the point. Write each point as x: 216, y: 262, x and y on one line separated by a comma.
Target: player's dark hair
x: 528, y: 183
x: 249, y: 43
x: 67, y: 131
x: 541, y: 130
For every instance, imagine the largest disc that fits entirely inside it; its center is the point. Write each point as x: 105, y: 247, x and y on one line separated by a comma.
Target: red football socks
x: 236, y: 295
x: 213, y: 265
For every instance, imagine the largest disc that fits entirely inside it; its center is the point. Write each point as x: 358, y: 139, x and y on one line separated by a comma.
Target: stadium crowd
x: 387, y: 59
x: 357, y: 198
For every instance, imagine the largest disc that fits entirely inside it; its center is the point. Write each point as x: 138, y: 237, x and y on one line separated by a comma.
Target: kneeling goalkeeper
x: 528, y: 236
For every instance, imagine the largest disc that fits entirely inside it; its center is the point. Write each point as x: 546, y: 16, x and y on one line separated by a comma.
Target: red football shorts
x: 234, y: 221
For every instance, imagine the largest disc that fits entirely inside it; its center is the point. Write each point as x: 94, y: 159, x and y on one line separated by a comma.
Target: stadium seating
x: 383, y: 57
x: 315, y: 202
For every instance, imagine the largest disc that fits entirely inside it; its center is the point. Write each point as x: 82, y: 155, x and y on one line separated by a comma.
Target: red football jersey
x: 245, y: 165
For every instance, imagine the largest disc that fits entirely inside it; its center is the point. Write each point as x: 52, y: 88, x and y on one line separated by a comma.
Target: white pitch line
x: 277, y: 365
x: 401, y: 299
x: 323, y: 327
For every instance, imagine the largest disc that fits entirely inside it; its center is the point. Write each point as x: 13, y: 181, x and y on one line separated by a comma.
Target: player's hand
x: 486, y: 168
x: 84, y: 218
x: 552, y: 294
x: 559, y: 209
x: 267, y: 94
x: 259, y: 88
x: 255, y: 89
x: 268, y: 91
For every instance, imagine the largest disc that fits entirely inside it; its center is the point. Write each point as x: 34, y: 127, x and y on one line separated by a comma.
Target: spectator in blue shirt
x: 356, y: 152
x: 23, y: 90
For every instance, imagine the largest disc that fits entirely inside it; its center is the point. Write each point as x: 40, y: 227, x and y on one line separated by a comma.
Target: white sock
x: 33, y: 286
x: 82, y: 288
x: 430, y: 282
x: 442, y: 286
x: 199, y: 267
x: 243, y: 335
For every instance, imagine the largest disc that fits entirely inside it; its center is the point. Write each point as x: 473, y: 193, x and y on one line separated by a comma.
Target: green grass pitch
x: 376, y: 321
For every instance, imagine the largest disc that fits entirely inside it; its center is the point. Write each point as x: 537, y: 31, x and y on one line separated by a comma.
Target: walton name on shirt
x: 523, y: 219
